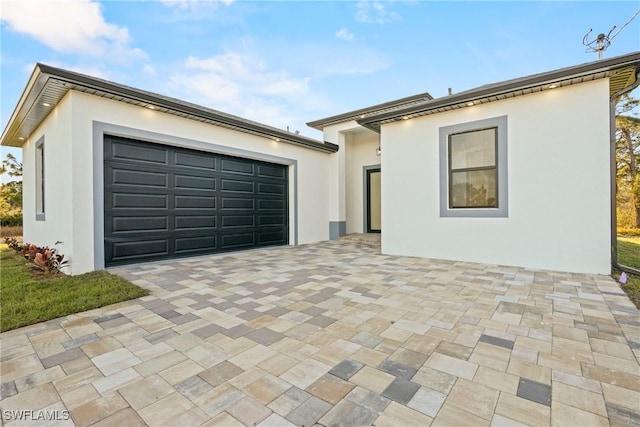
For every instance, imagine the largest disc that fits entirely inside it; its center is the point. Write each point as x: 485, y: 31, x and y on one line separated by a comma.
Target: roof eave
x: 511, y: 86
x: 360, y: 113
x: 43, y: 73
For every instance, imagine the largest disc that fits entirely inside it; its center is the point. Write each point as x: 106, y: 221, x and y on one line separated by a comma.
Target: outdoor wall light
x: 378, y: 151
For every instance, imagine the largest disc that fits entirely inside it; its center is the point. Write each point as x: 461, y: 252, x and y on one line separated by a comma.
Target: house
x: 513, y: 173
x: 119, y: 175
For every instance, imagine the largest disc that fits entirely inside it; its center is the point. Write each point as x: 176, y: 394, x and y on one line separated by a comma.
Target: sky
x: 284, y: 63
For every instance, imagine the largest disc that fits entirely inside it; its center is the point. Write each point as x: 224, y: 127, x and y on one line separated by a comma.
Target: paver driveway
x: 334, y: 333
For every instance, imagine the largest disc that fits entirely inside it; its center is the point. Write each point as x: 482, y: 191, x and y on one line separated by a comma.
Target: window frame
x: 40, y: 180
x: 445, y: 133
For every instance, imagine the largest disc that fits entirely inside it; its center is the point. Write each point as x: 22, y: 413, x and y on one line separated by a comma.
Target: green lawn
x: 629, y: 255
x: 26, y: 299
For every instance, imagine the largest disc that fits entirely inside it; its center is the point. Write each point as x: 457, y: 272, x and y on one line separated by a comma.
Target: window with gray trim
x: 40, y: 180
x: 473, y: 169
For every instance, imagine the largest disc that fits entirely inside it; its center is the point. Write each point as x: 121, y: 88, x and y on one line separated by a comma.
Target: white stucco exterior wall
x: 71, y: 151
x: 357, y: 149
x: 558, y: 185
x: 360, y: 152
x: 59, y: 216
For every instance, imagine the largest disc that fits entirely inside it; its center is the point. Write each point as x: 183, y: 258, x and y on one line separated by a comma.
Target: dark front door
x: 374, y: 202
x: 163, y: 202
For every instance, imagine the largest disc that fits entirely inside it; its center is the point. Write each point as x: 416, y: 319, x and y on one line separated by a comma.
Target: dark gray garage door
x: 163, y: 202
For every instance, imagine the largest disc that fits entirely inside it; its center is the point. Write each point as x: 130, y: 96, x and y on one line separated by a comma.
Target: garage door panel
x: 142, y: 153
x: 127, y: 224
x: 196, y: 203
x: 271, y: 237
x: 193, y: 222
x: 269, y: 188
x: 229, y: 221
x: 230, y: 241
x: 140, y: 201
x: 195, y: 244
x: 268, y: 171
x: 138, y: 178
x: 195, y: 161
x: 236, y: 166
x: 273, y: 204
x: 271, y: 220
x: 237, y: 186
x: 194, y: 182
x: 243, y: 203
x: 140, y: 249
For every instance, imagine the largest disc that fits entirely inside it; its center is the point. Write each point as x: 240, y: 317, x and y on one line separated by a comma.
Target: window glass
x: 40, y: 181
x: 474, y: 189
x: 473, y: 149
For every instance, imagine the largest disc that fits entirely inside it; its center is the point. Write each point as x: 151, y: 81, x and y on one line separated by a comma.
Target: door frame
x: 366, y: 173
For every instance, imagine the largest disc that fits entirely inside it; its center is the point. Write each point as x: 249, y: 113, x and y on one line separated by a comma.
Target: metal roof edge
x: 352, y: 115
x: 507, y: 86
x: 35, y: 76
x: 171, y: 104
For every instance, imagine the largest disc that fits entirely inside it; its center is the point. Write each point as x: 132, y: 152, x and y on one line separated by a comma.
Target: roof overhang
x: 374, y: 109
x: 48, y: 85
x: 622, y: 72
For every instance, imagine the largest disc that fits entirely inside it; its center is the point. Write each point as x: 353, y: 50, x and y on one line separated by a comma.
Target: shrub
x: 46, y: 259
x: 13, y: 219
x: 631, y: 232
x: 13, y: 244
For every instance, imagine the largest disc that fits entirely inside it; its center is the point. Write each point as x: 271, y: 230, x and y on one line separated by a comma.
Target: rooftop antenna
x: 599, y: 44
x: 603, y: 41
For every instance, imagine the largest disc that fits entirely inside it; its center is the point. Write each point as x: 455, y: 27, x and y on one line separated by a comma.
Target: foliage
x: 629, y: 255
x: 631, y: 232
x: 14, y: 244
x: 628, y: 162
x: 11, y: 219
x: 629, y: 252
x: 46, y: 259
x: 27, y: 299
x: 11, y: 192
x: 11, y: 166
x: 11, y: 195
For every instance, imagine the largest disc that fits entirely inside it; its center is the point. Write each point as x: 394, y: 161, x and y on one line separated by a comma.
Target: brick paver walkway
x: 335, y: 333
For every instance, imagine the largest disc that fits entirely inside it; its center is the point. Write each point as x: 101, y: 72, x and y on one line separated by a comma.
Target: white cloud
x: 244, y: 84
x: 68, y: 26
x: 149, y: 69
x: 375, y: 12
x: 344, y: 34
x: 195, y: 4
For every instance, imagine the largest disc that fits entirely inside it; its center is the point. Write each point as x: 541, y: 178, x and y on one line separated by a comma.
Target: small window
x: 40, y: 185
x: 473, y: 169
